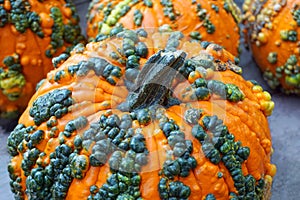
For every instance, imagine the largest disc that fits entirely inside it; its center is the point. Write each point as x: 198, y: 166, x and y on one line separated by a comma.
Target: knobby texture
x: 208, y: 139
x: 215, y: 21
x: 272, y: 29
x: 31, y: 33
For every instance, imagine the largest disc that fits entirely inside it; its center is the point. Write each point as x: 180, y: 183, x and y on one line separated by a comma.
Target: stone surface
x: 284, y: 125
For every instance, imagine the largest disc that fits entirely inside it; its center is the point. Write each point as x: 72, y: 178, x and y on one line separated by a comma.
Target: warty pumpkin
x: 174, y: 119
x: 31, y: 33
x: 271, y: 30
x: 214, y: 21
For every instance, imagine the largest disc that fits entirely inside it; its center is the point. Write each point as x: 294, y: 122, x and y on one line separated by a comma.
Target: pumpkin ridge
x: 203, y: 161
x: 257, y: 95
x: 229, y: 108
x: 51, y: 141
x: 39, y: 47
x: 232, y: 110
x: 182, y: 157
x: 229, y: 166
x: 160, y: 140
x: 88, y: 109
x: 195, y: 186
x: 115, y: 171
x: 147, y: 178
x: 258, y: 143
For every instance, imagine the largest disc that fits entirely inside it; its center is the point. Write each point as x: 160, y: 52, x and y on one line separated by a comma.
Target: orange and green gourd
x: 174, y: 119
x: 31, y: 34
x: 271, y: 28
x: 214, y: 21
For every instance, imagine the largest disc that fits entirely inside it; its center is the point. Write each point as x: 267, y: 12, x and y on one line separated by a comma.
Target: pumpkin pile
x: 272, y: 29
x: 215, y: 21
x: 144, y: 115
x: 31, y: 34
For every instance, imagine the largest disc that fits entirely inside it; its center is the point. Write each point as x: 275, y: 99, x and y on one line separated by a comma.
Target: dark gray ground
x: 284, y: 124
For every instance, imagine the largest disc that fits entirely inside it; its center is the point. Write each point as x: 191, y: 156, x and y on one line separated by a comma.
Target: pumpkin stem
x: 152, y: 86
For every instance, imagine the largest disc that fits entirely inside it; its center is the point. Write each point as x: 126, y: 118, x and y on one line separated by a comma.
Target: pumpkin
x: 174, y: 119
x: 215, y: 21
x: 271, y: 28
x: 31, y: 33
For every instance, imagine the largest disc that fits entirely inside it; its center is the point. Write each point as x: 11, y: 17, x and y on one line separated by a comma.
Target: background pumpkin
x: 214, y: 21
x: 92, y: 130
x: 272, y: 29
x: 31, y: 33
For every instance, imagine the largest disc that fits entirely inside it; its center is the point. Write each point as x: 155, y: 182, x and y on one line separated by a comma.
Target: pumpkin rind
x: 272, y: 29
x: 32, y: 32
x: 203, y: 145
x: 201, y: 20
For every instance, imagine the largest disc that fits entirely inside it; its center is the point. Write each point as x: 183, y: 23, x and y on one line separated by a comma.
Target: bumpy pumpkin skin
x: 272, y: 30
x: 214, y: 21
x: 31, y: 34
x: 74, y: 142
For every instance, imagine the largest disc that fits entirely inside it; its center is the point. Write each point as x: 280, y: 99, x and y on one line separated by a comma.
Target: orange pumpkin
x: 31, y: 33
x: 272, y: 28
x: 172, y: 120
x: 214, y: 21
